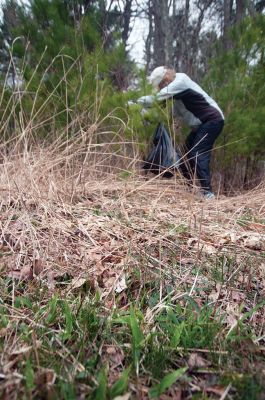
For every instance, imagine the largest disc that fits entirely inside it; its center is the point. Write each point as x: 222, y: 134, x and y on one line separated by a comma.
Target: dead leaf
x: 115, y: 355
x: 256, y: 226
x: 124, y: 397
x: 187, y: 261
x: 262, y: 269
x: 192, y: 242
x: 237, y: 296
x: 109, y: 282
x: 45, y: 377
x: 254, y: 241
x: 217, y: 389
x: 177, y: 395
x: 25, y: 273
x: 233, y: 237
x: 232, y: 314
x: 121, y: 284
x: 214, y: 295
x: 77, y: 283
x: 196, y: 361
x: 3, y: 332
x: 38, y: 266
x: 225, y: 238
x: 95, y: 254
x: 209, y: 249
x: 51, y: 280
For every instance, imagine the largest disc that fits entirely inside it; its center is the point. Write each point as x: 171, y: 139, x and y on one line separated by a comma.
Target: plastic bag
x: 162, y: 156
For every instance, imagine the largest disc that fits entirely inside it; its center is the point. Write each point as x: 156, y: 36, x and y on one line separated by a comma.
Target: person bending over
x: 199, y: 111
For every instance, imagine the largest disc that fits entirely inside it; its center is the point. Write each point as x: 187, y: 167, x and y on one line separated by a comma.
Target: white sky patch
x: 137, y: 39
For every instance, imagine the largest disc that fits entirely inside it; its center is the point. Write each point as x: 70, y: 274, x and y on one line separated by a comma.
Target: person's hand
x: 130, y: 103
x: 144, y: 112
x: 146, y: 101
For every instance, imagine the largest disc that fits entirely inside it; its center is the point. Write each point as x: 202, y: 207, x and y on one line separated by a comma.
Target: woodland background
x: 62, y: 57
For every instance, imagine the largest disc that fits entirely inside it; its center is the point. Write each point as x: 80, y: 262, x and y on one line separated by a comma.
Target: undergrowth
x: 70, y: 344
x: 115, y: 285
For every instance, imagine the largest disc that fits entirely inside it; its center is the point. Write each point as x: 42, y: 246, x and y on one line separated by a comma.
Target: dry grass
x: 52, y: 196
x: 83, y: 213
x: 112, y: 281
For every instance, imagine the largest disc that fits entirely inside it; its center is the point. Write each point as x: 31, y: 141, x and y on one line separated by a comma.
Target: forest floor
x: 128, y: 288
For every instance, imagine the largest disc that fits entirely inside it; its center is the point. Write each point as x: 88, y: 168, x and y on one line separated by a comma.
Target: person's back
x: 193, y: 97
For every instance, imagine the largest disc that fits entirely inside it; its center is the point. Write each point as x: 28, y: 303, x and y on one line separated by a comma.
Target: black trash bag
x: 163, y: 155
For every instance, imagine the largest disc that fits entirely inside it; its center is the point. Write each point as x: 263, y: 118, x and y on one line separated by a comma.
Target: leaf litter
x: 104, y: 237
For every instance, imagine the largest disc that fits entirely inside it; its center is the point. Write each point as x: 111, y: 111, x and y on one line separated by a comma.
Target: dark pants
x: 199, y: 144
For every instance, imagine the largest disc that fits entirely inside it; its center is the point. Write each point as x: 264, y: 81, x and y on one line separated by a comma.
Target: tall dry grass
x: 46, y: 186
x: 82, y: 227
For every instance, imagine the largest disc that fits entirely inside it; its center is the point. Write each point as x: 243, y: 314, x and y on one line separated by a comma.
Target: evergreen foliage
x: 237, y: 80
x: 64, y: 66
x: 65, y: 59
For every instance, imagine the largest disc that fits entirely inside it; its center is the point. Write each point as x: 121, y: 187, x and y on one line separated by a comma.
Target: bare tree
x: 160, y: 15
x: 241, y: 6
x: 150, y: 35
x: 185, y: 35
x: 181, y: 32
x: 174, y: 32
x: 127, y: 16
x: 227, y: 22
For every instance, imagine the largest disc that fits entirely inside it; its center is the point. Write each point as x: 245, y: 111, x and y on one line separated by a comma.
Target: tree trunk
x: 227, y: 22
x: 127, y: 14
x: 240, y: 10
x: 161, y: 30
x: 185, y: 53
x: 150, y: 36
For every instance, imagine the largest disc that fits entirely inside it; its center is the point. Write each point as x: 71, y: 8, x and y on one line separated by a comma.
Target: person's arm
x: 175, y: 88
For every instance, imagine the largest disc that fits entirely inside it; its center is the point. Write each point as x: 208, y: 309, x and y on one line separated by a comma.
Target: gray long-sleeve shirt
x: 191, y: 102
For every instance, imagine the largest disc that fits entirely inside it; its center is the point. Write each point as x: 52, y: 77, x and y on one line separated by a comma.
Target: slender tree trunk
x: 127, y: 14
x: 149, y: 40
x: 227, y: 22
x: 186, y: 53
x: 194, y: 45
x: 240, y: 10
x: 161, y: 32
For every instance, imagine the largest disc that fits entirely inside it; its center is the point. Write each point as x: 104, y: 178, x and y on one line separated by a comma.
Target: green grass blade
x: 137, y: 338
x: 101, y: 391
x: 29, y: 375
x: 52, y: 310
x: 175, y: 340
x: 68, y: 320
x: 121, y: 385
x: 166, y: 382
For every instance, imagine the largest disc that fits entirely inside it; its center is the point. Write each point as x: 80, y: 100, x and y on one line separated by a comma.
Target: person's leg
x: 200, y: 153
x: 185, y: 166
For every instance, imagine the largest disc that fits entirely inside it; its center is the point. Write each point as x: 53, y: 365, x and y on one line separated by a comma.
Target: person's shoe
x: 209, y: 195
